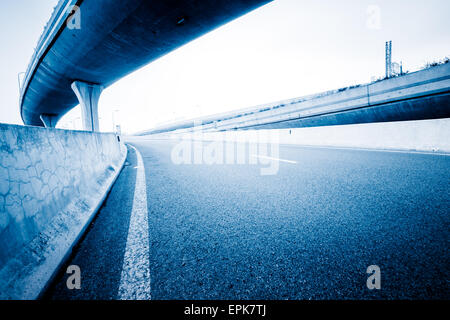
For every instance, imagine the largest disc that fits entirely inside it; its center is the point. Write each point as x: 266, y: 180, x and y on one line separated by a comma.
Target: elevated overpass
x: 224, y: 222
x: 88, y: 45
x: 420, y: 95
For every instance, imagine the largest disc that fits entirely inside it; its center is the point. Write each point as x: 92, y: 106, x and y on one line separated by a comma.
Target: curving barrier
x: 52, y: 183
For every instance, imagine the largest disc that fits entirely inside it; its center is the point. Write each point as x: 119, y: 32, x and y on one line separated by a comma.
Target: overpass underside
x: 88, y: 45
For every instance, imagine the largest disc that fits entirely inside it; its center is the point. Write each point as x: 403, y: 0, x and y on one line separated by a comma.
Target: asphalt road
x: 307, y: 232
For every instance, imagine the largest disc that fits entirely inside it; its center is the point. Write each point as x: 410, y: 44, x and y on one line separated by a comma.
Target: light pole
x: 114, y: 120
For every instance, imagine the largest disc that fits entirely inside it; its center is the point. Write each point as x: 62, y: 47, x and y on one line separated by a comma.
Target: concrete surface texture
x: 217, y: 231
x: 110, y: 40
x: 88, y: 95
x: 51, y: 183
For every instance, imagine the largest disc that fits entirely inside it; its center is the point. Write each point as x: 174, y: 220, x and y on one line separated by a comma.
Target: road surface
x: 307, y: 232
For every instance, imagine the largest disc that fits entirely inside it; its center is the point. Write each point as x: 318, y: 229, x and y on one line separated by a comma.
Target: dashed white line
x: 275, y: 159
x: 135, y: 276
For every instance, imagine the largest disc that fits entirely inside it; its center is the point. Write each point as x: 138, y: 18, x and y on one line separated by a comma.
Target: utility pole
x: 388, y: 59
x: 114, y: 120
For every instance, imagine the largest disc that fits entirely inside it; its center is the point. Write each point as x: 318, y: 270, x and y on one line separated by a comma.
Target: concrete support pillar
x: 49, y: 120
x: 88, y: 95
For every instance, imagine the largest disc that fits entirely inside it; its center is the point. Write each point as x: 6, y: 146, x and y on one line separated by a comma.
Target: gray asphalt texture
x: 308, y: 232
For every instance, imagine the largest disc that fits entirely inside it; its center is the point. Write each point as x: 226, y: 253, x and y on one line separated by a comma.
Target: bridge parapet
x: 52, y: 182
x: 420, y: 95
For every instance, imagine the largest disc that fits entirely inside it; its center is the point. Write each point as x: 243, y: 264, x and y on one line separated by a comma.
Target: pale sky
x: 286, y: 49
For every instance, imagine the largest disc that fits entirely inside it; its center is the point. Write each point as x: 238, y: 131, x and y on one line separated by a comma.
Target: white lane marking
x: 271, y: 158
x: 135, y: 276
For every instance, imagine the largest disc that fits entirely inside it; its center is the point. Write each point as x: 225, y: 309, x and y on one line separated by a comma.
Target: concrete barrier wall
x: 421, y: 135
x: 52, y: 182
